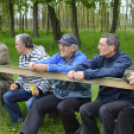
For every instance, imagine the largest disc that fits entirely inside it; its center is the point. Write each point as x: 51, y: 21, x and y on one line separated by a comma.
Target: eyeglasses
x: 101, y: 45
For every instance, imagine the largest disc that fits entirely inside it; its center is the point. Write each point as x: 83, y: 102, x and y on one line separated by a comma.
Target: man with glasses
x: 67, y: 97
x: 110, y: 100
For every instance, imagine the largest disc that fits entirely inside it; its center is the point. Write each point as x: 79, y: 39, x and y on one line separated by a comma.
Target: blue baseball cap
x: 68, y: 39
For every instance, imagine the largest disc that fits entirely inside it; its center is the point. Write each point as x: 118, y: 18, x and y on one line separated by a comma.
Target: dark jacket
x: 108, y: 67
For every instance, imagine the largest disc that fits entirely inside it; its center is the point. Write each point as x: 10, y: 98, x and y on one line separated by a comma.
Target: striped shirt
x: 43, y: 84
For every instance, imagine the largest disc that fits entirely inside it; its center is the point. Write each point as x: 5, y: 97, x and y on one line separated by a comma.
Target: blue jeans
x: 12, y: 97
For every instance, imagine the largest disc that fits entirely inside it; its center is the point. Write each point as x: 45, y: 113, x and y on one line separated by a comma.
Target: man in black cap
x: 67, y: 97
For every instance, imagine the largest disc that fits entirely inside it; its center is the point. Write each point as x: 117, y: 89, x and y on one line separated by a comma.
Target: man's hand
x: 41, y: 67
x: 36, y: 92
x: 131, y: 78
x: 13, y: 87
x: 79, y: 75
x: 32, y: 66
x: 70, y: 74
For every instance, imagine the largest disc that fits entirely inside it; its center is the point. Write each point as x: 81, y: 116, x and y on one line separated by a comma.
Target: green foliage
x: 90, y: 40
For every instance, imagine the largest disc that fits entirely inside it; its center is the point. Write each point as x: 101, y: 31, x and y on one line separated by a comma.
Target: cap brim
x: 64, y: 42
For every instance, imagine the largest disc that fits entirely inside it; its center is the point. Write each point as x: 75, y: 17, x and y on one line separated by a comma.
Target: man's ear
x: 74, y: 48
x: 112, y: 47
x: 23, y: 45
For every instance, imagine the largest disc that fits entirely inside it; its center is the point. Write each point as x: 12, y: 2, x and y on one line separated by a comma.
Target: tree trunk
x: 35, y: 20
x: 12, y: 17
x: 115, y: 16
x: 20, y: 22
x: 47, y: 32
x: 81, y: 16
x: 93, y: 19
x: 25, y: 14
x: 103, y: 16
x: 43, y: 16
x: 22, y: 26
x: 26, y: 26
x: 54, y: 23
x: 133, y: 20
x: 126, y: 15
x: 0, y: 22
x: 74, y: 15
x: 87, y: 18
x: 67, y: 19
x: 107, y: 21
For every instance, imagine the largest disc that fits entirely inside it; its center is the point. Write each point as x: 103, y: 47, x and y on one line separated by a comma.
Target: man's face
x: 66, y: 51
x: 104, y: 49
x: 18, y: 47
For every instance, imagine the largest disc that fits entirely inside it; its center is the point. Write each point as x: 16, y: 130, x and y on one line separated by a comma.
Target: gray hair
x: 24, y: 38
x: 74, y: 45
x: 112, y: 39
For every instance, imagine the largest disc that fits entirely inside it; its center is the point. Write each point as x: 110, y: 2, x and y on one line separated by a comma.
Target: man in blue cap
x: 67, y: 97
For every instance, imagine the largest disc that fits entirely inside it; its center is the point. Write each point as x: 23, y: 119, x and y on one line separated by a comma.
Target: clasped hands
x: 75, y: 75
x: 37, y: 67
x: 131, y: 78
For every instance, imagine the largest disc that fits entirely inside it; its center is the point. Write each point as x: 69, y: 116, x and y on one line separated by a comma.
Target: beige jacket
x: 4, y: 60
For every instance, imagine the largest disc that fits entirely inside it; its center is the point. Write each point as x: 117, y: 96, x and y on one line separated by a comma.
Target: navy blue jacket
x: 108, y: 67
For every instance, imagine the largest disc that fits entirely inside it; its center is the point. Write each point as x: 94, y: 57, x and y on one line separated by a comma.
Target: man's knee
x: 104, y: 111
x: 6, y: 96
x: 28, y: 105
x: 83, y: 111
x: 62, y: 108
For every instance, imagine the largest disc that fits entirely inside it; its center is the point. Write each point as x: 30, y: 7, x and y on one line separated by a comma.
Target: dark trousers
x: 125, y: 122
x: 48, y: 104
x: 107, y: 113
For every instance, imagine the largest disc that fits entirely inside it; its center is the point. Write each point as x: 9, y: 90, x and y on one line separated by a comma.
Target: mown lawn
x: 89, y: 47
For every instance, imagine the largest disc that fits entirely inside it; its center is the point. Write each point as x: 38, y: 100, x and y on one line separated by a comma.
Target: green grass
x: 89, y: 47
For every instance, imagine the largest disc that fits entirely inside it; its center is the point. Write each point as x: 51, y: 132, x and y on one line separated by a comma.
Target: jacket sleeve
x: 93, y: 69
x: 116, y: 70
x: 56, y: 64
x: 45, y: 85
x: 20, y: 80
x: 127, y: 73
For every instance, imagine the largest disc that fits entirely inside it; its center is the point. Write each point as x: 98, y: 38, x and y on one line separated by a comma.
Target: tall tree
x: 103, y: 15
x: 87, y: 18
x: 44, y: 16
x: 25, y: 13
x: 48, y: 23
x: 74, y: 16
x: 0, y: 22
x: 131, y: 5
x: 54, y: 23
x: 115, y: 16
x: 12, y: 17
x: 35, y: 19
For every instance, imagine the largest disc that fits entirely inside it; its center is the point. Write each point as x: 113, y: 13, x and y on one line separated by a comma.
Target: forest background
x: 47, y: 20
